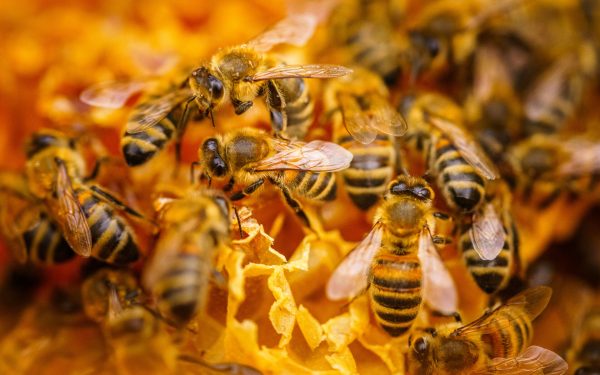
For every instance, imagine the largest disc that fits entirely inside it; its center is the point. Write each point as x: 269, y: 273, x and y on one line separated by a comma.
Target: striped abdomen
x: 312, y: 185
x: 299, y: 107
x: 371, y: 169
x: 112, y: 238
x: 491, y: 275
x: 395, y: 291
x: 462, y: 187
x: 510, y: 332
x: 182, y: 290
x: 140, y: 147
x: 45, y: 244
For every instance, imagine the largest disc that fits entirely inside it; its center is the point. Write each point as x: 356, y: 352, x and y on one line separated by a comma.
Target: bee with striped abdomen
x: 31, y: 234
x: 364, y: 123
x: 398, y: 261
x: 55, y: 172
x: 194, y: 227
x: 242, y: 74
x: 251, y: 157
x: 97, y: 288
x: 490, y: 244
x: 496, y: 343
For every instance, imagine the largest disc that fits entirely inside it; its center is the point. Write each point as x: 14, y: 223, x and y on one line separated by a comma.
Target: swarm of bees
x: 383, y: 186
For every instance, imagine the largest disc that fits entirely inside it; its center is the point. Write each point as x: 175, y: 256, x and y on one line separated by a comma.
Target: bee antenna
x: 237, y: 217
x: 212, y: 117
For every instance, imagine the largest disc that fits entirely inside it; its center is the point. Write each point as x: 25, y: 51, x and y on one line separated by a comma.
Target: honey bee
x: 460, y: 166
x: 141, y: 343
x: 496, y: 343
x: 359, y: 103
x: 251, y: 157
x: 194, y: 227
x: 27, y: 227
x: 490, y: 244
x: 84, y: 212
x: 583, y: 357
x: 365, y: 29
x: 548, y: 166
x: 398, y: 261
x: 241, y: 73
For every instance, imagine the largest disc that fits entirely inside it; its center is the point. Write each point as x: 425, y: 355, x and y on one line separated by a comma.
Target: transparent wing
x: 584, y: 158
x: 148, y: 113
x: 355, y: 120
x: 385, y: 118
x: 294, y: 29
x: 350, y: 277
x: 487, y: 233
x: 316, y: 156
x: 111, y: 94
x: 468, y: 147
x: 533, y: 360
x: 69, y: 215
x: 301, y: 71
x: 532, y: 301
x: 439, y: 290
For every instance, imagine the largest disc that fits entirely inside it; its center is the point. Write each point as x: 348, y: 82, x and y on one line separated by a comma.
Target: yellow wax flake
x: 283, y: 312
x: 343, y: 361
x: 343, y: 329
x: 300, y: 264
x: 236, y: 293
x: 389, y: 353
x: 310, y: 327
x: 258, y: 244
x: 240, y: 343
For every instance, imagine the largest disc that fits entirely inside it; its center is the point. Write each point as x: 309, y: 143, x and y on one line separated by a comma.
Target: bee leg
x: 550, y: 199
x: 237, y: 217
x: 441, y: 215
x: 180, y: 128
x: 276, y: 103
x: 456, y: 315
x: 96, y: 170
x: 440, y: 240
x: 240, y: 107
x: 229, y: 186
x: 294, y: 204
x: 247, y: 190
x: 111, y: 199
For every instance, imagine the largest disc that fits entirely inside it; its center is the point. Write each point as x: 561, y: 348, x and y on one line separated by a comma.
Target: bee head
x: 214, y: 164
x: 47, y: 138
x: 419, y: 347
x: 206, y: 85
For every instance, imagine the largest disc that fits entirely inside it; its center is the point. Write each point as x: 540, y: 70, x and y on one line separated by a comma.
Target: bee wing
x: 533, y: 301
x: 356, y: 121
x: 148, y: 113
x: 69, y: 214
x: 301, y: 71
x: 169, y: 244
x: 469, y: 148
x: 533, y: 360
x: 294, y: 29
x: 111, y: 94
x: 350, y: 277
x: 548, y: 89
x: 487, y: 233
x: 439, y: 290
x: 386, y: 119
x: 315, y: 156
x: 584, y: 158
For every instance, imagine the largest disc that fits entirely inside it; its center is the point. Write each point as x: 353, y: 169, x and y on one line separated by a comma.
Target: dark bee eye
x: 215, y: 86
x: 420, y: 347
x: 217, y: 165
x: 422, y: 192
x: 210, y: 145
x: 399, y: 188
x: 433, y: 47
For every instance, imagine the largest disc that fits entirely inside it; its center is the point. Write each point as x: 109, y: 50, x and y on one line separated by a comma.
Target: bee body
x: 491, y: 275
x: 138, y: 148
x: 45, y: 244
x: 370, y: 171
x: 462, y: 186
x: 395, y: 290
x: 112, y: 238
x: 193, y: 229
x: 297, y: 107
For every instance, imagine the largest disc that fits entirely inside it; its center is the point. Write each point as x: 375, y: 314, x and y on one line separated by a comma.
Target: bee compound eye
x: 433, y: 47
x: 420, y: 346
x: 215, y: 87
x: 399, y: 188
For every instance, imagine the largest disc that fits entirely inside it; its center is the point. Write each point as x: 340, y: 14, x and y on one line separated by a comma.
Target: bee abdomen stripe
x: 396, y: 301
